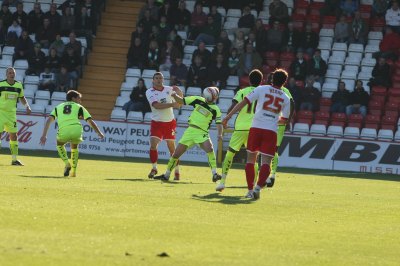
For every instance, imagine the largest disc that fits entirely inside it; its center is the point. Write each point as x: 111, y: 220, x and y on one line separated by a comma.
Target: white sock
x: 167, y: 173
x: 214, y: 171
x: 177, y: 169
x: 257, y: 188
x: 154, y: 165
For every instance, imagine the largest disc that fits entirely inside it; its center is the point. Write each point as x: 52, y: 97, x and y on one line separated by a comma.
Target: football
x: 211, y: 94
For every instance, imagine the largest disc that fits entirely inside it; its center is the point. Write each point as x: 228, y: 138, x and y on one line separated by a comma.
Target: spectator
x: 153, y: 56
x: 36, y: 61
x: 67, y: 22
x: 64, y: 81
x: 223, y: 37
x: 233, y: 61
x: 342, y: 30
x: 20, y: 16
x: 239, y: 41
x: 6, y: 15
x: 219, y: 49
x: 148, y: 22
x: 340, y: 99
x: 218, y: 72
x: 248, y: 61
x: 358, y: 100
x: 53, y: 61
x: 299, y: 67
x: 379, y: 8
x: 291, y: 38
x: 209, y: 33
x: 53, y: 16
x: 75, y: 44
x: 83, y: 26
x: 278, y: 11
x: 348, y: 7
x: 392, y: 17
x: 73, y: 64
x: 3, y: 33
x: 310, y: 97
x: 274, y: 38
x: 176, y: 40
x: 389, y: 46
x: 381, y: 74
x: 58, y: 45
x: 182, y: 17
x: 168, y: 55
x: 156, y: 36
x: 47, y: 80
x: 178, y: 72
x: 197, y: 74
x: 358, y: 30
x: 152, y: 8
x: 13, y: 33
x: 246, y: 21
x: 139, y: 33
x: 198, y: 20
x: 45, y: 34
x: 136, y: 54
x: 317, y: 67
x: 138, y: 101
x: 164, y: 28
x: 295, y: 91
x: 35, y: 18
x: 309, y: 40
x: 261, y: 36
x: 167, y: 11
x: 24, y: 47
x: 203, y: 52
x: 217, y: 17
x: 331, y: 8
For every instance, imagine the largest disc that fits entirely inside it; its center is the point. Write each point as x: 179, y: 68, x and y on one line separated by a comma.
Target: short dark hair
x: 279, y: 77
x: 255, y: 77
x: 158, y: 74
x: 72, y: 94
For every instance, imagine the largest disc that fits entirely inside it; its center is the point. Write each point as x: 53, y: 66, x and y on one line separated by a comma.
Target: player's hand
x: 225, y: 122
x: 28, y: 110
x: 43, y: 140
x: 101, y: 135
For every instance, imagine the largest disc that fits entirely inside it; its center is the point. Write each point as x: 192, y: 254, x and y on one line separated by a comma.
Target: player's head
x: 255, y: 77
x: 74, y: 96
x: 158, y: 79
x: 279, y: 77
x: 10, y: 73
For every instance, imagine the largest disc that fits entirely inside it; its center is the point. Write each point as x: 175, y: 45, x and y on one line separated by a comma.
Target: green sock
x: 62, y: 152
x: 171, y: 165
x: 212, y: 161
x: 227, y: 164
x: 14, y: 149
x: 275, y: 162
x: 74, y: 158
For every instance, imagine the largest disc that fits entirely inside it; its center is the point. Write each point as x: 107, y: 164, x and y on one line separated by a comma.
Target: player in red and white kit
x: 163, y: 123
x: 273, y: 106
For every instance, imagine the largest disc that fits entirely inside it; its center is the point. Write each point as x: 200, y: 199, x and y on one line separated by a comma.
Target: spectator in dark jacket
x: 73, y: 63
x: 53, y: 61
x: 261, y: 36
x: 53, y: 16
x: 310, y: 97
x: 67, y: 22
x: 64, y: 81
x: 35, y: 18
x: 219, y: 49
x: 178, y: 72
x: 340, y: 99
x: 246, y: 21
x: 21, y: 16
x: 36, y: 61
x: 381, y: 74
x: 147, y: 22
x: 299, y: 67
x: 317, y: 67
x: 218, y: 73
x: 45, y: 35
x: 198, y: 21
x: 24, y: 46
x: 182, y: 17
x: 209, y: 33
x: 309, y: 40
x: 83, y: 26
x: 139, y: 33
x: 136, y: 54
x: 358, y: 29
x: 6, y: 15
x: 223, y: 37
x: 358, y: 100
x: 3, y: 33
x: 153, y: 56
x: 278, y: 11
x: 295, y: 91
x: 248, y: 61
x: 203, y: 52
x: 274, y: 38
x: 168, y: 56
x: 197, y: 74
x: 291, y: 38
x: 138, y: 101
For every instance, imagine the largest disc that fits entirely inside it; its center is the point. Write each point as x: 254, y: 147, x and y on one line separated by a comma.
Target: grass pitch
x: 111, y: 214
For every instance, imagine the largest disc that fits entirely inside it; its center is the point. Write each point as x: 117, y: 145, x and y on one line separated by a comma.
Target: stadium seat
x: 325, y: 104
x: 333, y: 73
x: 375, y: 35
x: 38, y: 108
x: 232, y: 81
x: 301, y: 129
x: 349, y: 72
x: 353, y: 59
x: 125, y: 86
x: 338, y: 119
x: 354, y: 47
x: 369, y: 133
x: 193, y: 91
x: 59, y: 96
x: 322, y: 118
x: 50, y: 108
x: 397, y: 136
x: 183, y: 118
x: 332, y: 81
x: 148, y: 73
x: 29, y: 94
x: 335, y: 131
x: 367, y: 61
x: 133, y: 72
x: 324, y: 45
x: 355, y: 120
x: 31, y: 80
x: 375, y: 107
x: 327, y: 94
x: 339, y: 46
x: 42, y: 95
x: 125, y: 94
x: 329, y: 87
x: 389, y: 122
x: 118, y: 115
x: 351, y: 132
x: 134, y: 117
x: 147, y: 117
x: 385, y: 134
x: 224, y: 104
x: 326, y: 32
x: 234, y: 13
x: 304, y: 117
x: 318, y: 130
x: 120, y: 101
x: 350, y: 83
x: 337, y: 57
x: 369, y: 48
x: 372, y: 121
x: 21, y: 64
x: 228, y: 94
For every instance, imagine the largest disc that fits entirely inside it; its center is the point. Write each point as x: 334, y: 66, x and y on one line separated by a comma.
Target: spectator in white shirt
x: 47, y: 80
x: 13, y: 33
x: 392, y: 17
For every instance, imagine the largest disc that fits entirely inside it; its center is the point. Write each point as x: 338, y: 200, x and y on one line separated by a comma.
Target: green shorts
x: 193, y: 136
x: 238, y: 139
x: 280, y: 134
x: 8, y: 122
x: 72, y: 134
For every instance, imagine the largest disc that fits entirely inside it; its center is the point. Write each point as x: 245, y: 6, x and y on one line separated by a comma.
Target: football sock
x: 62, y: 152
x: 171, y: 165
x: 274, y: 164
x: 250, y: 173
x: 226, y: 165
x: 264, y: 174
x: 212, y: 162
x: 153, y: 157
x: 256, y: 172
x: 14, y: 149
x: 257, y: 188
x: 74, y: 158
x: 177, y: 167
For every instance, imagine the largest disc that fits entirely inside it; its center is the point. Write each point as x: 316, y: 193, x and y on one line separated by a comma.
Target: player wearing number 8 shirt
x: 273, y: 105
x: 68, y: 115
x: 242, y: 125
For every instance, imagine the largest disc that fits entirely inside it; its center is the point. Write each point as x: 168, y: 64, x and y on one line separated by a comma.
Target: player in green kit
x: 10, y: 92
x: 280, y: 133
x: 205, y: 111
x: 68, y: 115
x: 242, y: 125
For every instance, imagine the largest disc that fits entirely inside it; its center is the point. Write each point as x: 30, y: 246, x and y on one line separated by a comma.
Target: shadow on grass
x: 223, y: 199
x: 151, y: 180
x: 45, y: 176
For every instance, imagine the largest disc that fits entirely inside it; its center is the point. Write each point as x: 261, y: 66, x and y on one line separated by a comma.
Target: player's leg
x: 14, y: 149
x: 62, y: 152
x: 180, y: 149
x: 275, y: 160
x: 10, y: 126
x: 250, y: 172
x: 171, y: 148
x: 154, y: 141
x: 207, y: 146
x: 74, y: 158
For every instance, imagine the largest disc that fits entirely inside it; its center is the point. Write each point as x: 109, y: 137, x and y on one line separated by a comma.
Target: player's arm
x: 49, y: 120
x: 178, y: 98
x: 178, y: 91
x: 95, y: 127
x: 26, y: 104
x: 234, y: 103
x: 158, y: 105
x: 235, y: 109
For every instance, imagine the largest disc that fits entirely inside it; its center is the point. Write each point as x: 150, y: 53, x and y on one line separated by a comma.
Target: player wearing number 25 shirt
x: 273, y: 106
x: 68, y: 115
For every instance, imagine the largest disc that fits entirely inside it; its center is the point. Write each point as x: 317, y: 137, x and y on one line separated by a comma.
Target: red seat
x: 329, y: 22
x: 298, y: 25
x: 355, y: 120
x: 273, y: 63
x: 300, y: 83
x: 392, y: 105
x: 301, y: 4
x: 325, y: 104
x: 317, y: 5
x: 338, y: 119
x: 271, y: 55
x: 298, y: 17
x: 304, y: 117
x: 372, y: 121
x: 244, y: 81
x: 365, y: 8
x: 378, y: 90
x: 375, y: 107
x: 287, y: 56
x: 378, y: 98
x: 394, y: 92
x: 301, y: 11
x: 389, y: 122
x: 314, y: 12
x: 285, y: 64
x: 377, y: 24
x: 322, y: 118
x: 391, y: 113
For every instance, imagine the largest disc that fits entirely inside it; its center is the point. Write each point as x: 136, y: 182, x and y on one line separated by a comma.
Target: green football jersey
x: 245, y: 116
x: 9, y: 95
x: 69, y: 113
x: 203, y: 113
x: 287, y: 92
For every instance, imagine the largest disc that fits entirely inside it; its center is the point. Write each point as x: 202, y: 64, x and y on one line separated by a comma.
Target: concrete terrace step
x: 99, y: 86
x: 106, y: 49
x: 112, y: 43
x: 114, y: 36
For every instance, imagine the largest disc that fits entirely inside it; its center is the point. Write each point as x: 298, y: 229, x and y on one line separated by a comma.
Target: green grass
x: 111, y: 214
